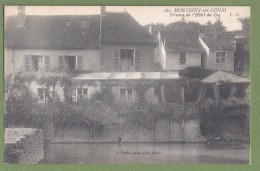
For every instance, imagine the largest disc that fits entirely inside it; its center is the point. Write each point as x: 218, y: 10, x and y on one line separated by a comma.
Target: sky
x: 150, y: 14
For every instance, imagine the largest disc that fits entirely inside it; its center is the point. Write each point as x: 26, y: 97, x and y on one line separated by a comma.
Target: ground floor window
x: 41, y: 95
x: 126, y: 95
x: 82, y: 93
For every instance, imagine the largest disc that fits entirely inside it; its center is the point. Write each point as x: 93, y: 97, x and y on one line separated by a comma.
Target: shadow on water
x: 146, y: 153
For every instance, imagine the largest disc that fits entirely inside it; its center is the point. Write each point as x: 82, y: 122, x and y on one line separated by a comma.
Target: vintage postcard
x: 127, y: 84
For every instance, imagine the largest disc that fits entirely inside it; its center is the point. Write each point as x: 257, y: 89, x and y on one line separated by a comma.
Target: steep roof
x: 52, y: 32
x: 64, y: 32
x: 220, y: 76
x: 219, y: 42
x: 181, y: 41
x: 123, y: 28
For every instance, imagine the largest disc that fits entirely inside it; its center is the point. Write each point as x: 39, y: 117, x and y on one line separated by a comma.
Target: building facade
x: 179, y: 49
x: 220, y: 51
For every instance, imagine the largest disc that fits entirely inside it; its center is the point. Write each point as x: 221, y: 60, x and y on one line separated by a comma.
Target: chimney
x: 103, y: 10
x: 20, y: 16
x: 151, y: 28
x: 102, y: 13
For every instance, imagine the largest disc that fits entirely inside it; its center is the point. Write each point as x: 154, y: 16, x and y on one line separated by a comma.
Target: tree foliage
x: 184, y: 25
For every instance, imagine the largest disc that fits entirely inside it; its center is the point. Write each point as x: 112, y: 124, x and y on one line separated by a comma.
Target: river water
x: 147, y: 153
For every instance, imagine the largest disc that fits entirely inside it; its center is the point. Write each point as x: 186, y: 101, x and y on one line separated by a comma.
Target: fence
x: 156, y: 130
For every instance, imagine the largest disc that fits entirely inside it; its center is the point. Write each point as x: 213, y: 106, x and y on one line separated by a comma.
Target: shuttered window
x: 74, y: 94
x: 47, y: 63
x: 27, y: 63
x: 137, y: 60
x: 61, y: 63
x: 79, y: 62
x: 41, y: 95
x: 116, y: 60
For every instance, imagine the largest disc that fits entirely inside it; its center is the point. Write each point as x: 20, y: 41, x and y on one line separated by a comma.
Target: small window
x: 82, y: 93
x: 220, y: 57
x: 84, y: 24
x: 182, y: 58
x: 126, y: 96
x: 41, y: 95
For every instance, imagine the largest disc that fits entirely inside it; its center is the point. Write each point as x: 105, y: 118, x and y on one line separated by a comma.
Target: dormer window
x: 84, y: 24
x: 68, y: 23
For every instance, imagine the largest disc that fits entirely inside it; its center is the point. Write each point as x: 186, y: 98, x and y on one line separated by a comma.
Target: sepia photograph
x: 127, y: 85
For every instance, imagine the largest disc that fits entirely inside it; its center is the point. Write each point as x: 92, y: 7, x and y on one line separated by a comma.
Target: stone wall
x: 23, y: 145
x: 174, y: 128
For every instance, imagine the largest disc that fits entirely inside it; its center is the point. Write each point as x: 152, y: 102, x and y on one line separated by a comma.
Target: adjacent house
x: 125, y: 45
x: 220, y: 50
x: 179, y: 49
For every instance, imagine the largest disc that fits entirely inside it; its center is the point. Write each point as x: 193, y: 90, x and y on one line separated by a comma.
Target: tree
x: 245, y: 25
x: 20, y: 99
x: 218, y: 26
x: 51, y: 81
x: 213, y: 27
x: 242, y: 53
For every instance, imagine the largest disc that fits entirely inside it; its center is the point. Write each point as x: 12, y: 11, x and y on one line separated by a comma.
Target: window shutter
x: 137, y: 60
x: 27, y: 62
x: 74, y: 94
x: 79, y: 62
x: 61, y: 63
x: 116, y: 60
x: 47, y: 63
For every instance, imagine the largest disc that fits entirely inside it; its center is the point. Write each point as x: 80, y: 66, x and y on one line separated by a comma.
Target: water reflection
x: 147, y: 153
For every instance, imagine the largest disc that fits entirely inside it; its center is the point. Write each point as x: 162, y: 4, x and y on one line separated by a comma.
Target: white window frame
x: 43, y: 61
x: 82, y: 90
x: 44, y: 95
x: 134, y: 56
x: 220, y: 58
x: 126, y: 95
x: 182, y: 57
x: 76, y: 61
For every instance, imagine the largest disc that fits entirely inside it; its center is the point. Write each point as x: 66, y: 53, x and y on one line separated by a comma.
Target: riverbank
x: 147, y: 153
